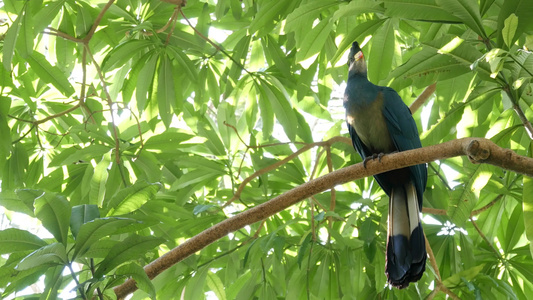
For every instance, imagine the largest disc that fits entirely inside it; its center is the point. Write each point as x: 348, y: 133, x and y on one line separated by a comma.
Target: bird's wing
x: 357, y: 144
x: 403, y: 131
x: 364, y: 152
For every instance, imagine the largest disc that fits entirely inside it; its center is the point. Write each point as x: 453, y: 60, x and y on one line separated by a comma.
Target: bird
x: 380, y: 123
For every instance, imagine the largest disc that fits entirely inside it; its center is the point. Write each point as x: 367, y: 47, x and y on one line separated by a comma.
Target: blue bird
x: 379, y: 122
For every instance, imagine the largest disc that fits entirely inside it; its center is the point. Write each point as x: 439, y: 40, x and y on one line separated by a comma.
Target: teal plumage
x: 379, y: 122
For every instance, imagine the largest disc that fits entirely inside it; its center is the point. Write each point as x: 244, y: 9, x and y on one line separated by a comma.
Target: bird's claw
x: 372, y: 157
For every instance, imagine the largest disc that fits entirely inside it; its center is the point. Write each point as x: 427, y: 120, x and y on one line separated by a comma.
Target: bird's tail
x: 406, y: 248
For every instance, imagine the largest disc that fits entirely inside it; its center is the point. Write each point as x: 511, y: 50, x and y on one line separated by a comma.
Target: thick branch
x: 478, y: 150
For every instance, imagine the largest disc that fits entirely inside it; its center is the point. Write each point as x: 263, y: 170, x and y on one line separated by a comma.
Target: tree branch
x: 422, y: 98
x: 478, y: 150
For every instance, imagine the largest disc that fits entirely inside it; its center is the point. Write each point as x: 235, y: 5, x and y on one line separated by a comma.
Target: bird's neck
x: 357, y: 74
x: 359, y: 90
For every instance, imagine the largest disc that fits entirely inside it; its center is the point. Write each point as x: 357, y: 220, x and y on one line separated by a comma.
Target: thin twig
x: 486, y: 240
x: 484, y: 208
x: 432, y: 259
x: 276, y: 165
x: 24, y: 135
x: 215, y: 45
x: 173, y: 21
x: 109, y: 103
x: 97, y: 21
x: 55, y: 32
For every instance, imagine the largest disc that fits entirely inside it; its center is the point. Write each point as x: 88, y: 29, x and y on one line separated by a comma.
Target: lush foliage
x: 127, y: 130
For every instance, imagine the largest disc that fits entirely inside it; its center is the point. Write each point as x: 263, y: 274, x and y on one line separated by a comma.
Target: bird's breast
x: 370, y: 125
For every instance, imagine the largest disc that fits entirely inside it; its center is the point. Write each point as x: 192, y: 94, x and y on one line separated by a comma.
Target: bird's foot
x: 372, y: 157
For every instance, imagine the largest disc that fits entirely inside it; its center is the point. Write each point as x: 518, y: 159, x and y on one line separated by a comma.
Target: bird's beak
x: 358, y: 56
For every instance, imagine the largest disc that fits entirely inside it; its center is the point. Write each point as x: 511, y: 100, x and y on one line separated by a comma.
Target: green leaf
x: 469, y: 275
x: 267, y: 14
x: 520, y: 8
x: 94, y: 230
x: 74, y: 155
x: 131, y: 198
x: 82, y: 214
x: 423, y: 10
x: 196, y: 284
x: 52, y: 282
x: 25, y: 40
x: 98, y: 181
x: 358, y: 33
x: 15, y: 240
x: 10, y: 42
x: 215, y: 284
x: 131, y: 248
x: 467, y: 11
x: 462, y: 201
x: 509, y: 29
x: 50, y: 74
x: 165, y: 95
x: 50, y: 255
x: 527, y: 204
x: 11, y: 201
x: 314, y: 41
x: 54, y: 212
x: 382, y: 52
x: 145, y: 81
x: 168, y: 141
x: 515, y: 230
x: 185, y: 63
x: 307, y: 12
x: 136, y: 272
x: 123, y: 53
x: 46, y: 14
x: 281, y: 106
x: 424, y: 68
x: 302, y: 251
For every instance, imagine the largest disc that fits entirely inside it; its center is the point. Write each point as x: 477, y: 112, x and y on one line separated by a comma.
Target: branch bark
x: 478, y: 150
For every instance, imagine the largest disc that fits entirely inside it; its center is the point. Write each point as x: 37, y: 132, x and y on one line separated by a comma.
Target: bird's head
x: 356, y: 60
